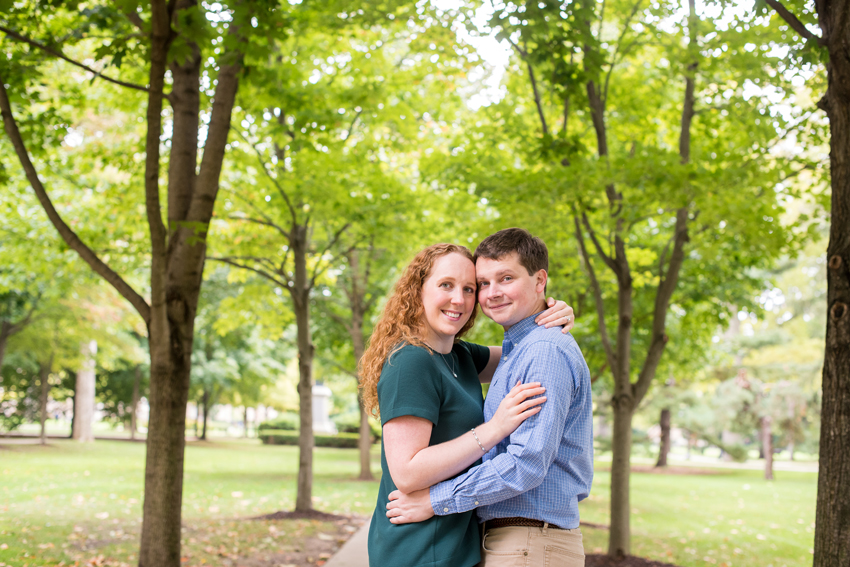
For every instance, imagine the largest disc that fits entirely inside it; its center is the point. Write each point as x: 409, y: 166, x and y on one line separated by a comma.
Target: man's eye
x: 483, y: 284
x: 507, y: 279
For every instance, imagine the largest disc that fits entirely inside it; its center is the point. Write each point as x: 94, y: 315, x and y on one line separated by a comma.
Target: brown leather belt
x: 523, y: 522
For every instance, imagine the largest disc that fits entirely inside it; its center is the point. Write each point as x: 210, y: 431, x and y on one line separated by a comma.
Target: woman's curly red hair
x: 402, y: 322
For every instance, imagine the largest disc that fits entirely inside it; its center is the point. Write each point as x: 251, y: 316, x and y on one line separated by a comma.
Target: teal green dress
x: 418, y: 383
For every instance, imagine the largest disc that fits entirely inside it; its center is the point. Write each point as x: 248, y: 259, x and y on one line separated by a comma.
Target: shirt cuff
x: 443, y: 502
x: 441, y: 499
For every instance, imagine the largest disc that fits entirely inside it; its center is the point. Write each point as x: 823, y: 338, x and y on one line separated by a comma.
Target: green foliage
x: 286, y: 421
x: 283, y: 437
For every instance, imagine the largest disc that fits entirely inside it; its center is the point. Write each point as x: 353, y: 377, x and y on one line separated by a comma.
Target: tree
x: 316, y: 140
x: 833, y: 18
x: 183, y: 46
x: 617, y: 123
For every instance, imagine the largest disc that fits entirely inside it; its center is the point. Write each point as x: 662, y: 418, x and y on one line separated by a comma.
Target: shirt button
x: 445, y: 509
x: 504, y: 358
x: 476, y: 502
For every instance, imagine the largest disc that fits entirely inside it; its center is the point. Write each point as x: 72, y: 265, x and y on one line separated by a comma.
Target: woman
x: 427, y: 386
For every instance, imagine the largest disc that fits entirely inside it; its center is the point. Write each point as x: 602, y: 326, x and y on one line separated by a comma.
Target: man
x: 528, y: 487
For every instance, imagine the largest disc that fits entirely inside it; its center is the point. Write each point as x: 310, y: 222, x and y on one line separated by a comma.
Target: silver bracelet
x: 477, y: 440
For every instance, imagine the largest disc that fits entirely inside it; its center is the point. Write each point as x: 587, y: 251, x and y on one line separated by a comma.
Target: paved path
x: 354, y: 553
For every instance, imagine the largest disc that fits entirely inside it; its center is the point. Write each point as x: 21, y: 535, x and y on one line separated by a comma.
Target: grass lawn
x: 68, y: 503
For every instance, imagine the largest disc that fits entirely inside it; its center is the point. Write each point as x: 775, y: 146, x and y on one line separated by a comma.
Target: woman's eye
x: 446, y: 285
x: 470, y: 290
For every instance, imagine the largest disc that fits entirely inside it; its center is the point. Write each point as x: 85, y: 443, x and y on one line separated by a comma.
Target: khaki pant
x: 516, y: 546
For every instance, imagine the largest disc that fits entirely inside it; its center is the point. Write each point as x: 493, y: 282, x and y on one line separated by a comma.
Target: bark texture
x: 84, y: 404
x: 664, y: 445
x: 301, y: 299
x: 832, y: 529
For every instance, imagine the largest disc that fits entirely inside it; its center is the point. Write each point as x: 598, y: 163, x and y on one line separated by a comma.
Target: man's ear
x: 540, y: 285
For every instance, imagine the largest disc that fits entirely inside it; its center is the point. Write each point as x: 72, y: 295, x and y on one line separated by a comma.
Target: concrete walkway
x: 354, y: 552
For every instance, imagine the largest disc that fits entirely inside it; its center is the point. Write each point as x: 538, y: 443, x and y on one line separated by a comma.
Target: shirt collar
x: 518, y: 332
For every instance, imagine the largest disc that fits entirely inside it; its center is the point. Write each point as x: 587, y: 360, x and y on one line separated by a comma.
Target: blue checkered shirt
x: 544, y: 468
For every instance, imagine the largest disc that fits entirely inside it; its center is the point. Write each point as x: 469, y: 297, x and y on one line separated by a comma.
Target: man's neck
x: 541, y: 306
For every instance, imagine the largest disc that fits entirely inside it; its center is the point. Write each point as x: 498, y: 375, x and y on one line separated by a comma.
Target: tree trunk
x: 84, y: 395
x: 832, y: 544
x: 301, y: 301
x: 44, y: 379
x: 5, y: 332
x: 791, y: 451
x: 166, y: 441
x: 358, y: 343
x: 206, y: 402
x: 135, y: 404
x: 767, y: 446
x: 664, y: 445
x: 73, y: 415
x: 245, y: 412
x: 619, y: 539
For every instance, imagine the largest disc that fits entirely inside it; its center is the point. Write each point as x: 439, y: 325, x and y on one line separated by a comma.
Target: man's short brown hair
x: 533, y: 254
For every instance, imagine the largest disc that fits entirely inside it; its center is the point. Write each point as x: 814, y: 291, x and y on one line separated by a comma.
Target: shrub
x: 284, y: 422
x: 350, y: 423
x: 288, y: 437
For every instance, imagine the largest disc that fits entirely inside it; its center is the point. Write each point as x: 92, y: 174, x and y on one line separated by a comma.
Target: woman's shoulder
x: 409, y: 354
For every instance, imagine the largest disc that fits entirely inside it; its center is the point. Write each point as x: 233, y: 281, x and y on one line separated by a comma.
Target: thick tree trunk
x: 832, y: 531
x: 767, y: 445
x: 619, y: 539
x: 135, y: 404
x: 84, y: 395
x: 664, y: 445
x: 169, y: 392
x: 44, y: 379
x: 301, y: 300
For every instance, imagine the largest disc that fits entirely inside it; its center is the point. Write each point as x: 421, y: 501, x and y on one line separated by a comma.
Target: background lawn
x: 69, y: 502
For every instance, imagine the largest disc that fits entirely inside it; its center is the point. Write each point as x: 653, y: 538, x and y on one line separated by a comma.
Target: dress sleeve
x: 410, y: 384
x: 480, y: 354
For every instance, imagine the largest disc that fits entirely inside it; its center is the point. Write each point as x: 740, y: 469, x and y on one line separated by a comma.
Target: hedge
x: 283, y: 437
x: 285, y: 421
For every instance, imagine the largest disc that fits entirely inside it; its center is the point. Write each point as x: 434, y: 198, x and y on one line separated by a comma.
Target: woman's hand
x: 516, y: 408
x: 558, y: 314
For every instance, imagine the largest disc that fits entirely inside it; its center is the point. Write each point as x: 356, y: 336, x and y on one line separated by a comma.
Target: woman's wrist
x: 489, y: 434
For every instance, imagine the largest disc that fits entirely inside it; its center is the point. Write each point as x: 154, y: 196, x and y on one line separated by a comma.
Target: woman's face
x: 448, y: 297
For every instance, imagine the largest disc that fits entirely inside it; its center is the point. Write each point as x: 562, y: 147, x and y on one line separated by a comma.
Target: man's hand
x: 409, y: 508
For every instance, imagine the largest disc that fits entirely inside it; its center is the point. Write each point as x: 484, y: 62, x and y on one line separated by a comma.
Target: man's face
x: 506, y: 292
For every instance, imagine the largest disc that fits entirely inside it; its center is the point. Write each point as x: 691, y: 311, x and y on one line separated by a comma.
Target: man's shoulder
x: 542, y: 339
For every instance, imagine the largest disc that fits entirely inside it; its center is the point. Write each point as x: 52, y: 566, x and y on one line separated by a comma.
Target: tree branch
x: 267, y: 222
x: 537, y: 100
x: 662, y: 304
x: 605, y: 257
x: 98, y: 74
x: 274, y: 181
x: 317, y: 272
x: 261, y: 272
x: 351, y: 126
x: 68, y: 235
x: 597, y: 295
x: 792, y: 20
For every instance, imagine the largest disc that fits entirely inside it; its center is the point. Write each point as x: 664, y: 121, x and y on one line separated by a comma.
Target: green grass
x: 731, y: 517
x: 68, y: 502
